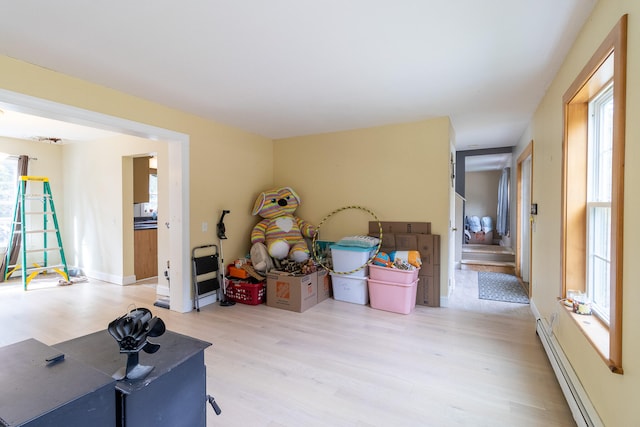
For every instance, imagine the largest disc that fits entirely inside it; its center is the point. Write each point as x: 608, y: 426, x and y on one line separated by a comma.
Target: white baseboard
x: 208, y: 300
x: 128, y: 280
x: 110, y: 278
x: 581, y: 407
x: 534, y: 309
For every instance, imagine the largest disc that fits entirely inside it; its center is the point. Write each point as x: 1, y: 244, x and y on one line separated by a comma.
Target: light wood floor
x: 475, y: 363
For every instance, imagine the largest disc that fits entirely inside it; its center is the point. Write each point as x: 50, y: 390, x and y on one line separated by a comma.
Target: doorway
x: 178, y: 148
x: 483, y: 186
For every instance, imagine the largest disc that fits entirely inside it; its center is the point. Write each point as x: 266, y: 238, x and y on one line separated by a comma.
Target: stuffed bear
x: 281, y: 231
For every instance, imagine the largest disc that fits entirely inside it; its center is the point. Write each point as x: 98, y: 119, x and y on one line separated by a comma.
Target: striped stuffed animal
x: 281, y: 231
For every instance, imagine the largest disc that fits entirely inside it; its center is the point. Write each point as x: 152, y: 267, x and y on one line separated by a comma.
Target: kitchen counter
x: 145, y: 224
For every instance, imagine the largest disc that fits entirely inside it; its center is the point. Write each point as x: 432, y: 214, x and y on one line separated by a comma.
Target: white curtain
x: 502, y: 219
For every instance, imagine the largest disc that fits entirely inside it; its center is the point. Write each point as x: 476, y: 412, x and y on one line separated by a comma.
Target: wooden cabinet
x: 141, y: 180
x: 145, y: 247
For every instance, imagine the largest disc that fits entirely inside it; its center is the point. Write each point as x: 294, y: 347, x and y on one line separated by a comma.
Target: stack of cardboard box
x: 415, y: 236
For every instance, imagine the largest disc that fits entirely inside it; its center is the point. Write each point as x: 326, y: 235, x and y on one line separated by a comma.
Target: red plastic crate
x: 245, y: 292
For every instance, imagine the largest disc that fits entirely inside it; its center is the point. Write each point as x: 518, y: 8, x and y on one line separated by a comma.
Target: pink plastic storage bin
x: 391, y: 296
x: 386, y: 274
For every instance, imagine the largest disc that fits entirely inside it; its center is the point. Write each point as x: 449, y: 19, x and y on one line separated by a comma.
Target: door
x: 523, y: 246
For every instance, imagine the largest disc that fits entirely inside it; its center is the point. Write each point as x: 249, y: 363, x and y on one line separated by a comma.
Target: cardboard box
x: 428, y: 292
x: 324, y: 285
x: 429, y: 248
x: 388, y: 242
x: 427, y: 244
x: 406, y: 242
x: 293, y: 293
x: 393, y: 227
x: 400, y: 236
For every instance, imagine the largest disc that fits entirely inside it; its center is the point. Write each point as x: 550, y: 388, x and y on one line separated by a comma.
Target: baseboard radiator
x: 583, y: 411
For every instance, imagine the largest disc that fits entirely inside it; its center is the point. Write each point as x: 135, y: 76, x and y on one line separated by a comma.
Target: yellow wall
x: 400, y: 172
x: 98, y: 184
x: 614, y: 396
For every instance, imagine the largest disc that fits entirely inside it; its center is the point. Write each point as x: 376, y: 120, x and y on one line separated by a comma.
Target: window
x: 8, y: 190
x: 148, y: 209
x: 593, y: 190
x: 599, y: 174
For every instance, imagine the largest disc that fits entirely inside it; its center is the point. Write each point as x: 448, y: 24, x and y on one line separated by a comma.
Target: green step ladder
x: 19, y: 227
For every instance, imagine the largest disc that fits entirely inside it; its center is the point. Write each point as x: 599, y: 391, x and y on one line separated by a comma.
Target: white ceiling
x: 286, y: 68
x: 24, y: 126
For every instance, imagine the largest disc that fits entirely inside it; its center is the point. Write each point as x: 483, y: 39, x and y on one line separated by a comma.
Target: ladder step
x: 51, y: 267
x: 36, y: 197
x: 33, y: 178
x: 43, y: 250
x: 53, y: 230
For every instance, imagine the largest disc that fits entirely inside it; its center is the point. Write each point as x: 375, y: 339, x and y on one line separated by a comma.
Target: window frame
x: 609, y: 63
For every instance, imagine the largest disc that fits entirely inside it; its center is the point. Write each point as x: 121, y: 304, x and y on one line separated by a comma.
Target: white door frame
x: 444, y: 300
x: 178, y: 144
x: 522, y: 217
x: 459, y: 230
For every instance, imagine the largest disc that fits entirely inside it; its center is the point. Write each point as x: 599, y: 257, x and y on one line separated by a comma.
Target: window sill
x: 596, y: 332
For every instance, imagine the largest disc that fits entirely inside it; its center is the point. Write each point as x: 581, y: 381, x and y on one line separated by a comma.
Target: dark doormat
x: 500, y: 287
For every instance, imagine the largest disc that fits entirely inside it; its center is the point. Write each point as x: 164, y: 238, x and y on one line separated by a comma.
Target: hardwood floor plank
x: 475, y: 363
